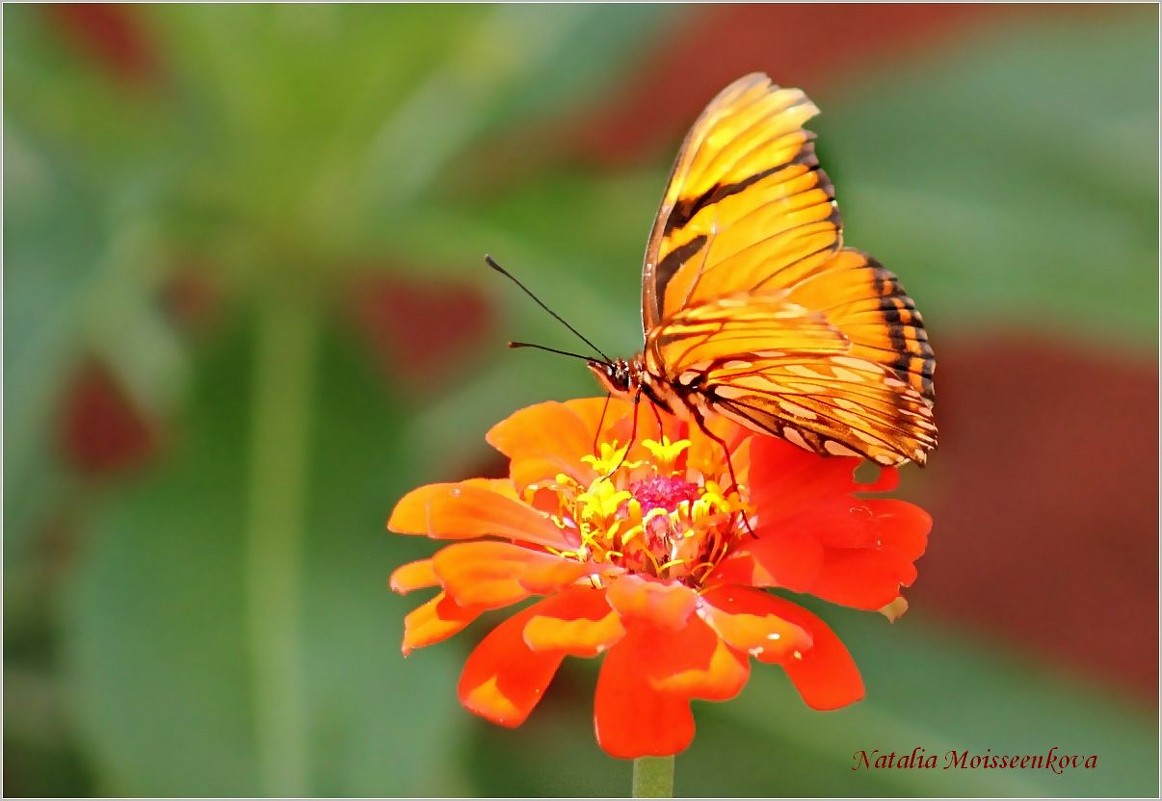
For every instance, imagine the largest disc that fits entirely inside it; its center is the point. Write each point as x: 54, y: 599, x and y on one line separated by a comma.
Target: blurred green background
x: 245, y: 310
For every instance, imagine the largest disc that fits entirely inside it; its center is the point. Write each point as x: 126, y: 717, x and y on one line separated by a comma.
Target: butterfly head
x: 618, y: 376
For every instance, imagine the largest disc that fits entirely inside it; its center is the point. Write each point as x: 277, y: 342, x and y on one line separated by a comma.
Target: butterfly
x: 754, y: 310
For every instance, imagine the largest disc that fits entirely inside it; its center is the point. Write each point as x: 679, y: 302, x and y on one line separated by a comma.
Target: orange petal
x: 503, y: 679
x: 692, y: 663
x: 709, y: 456
x: 577, y: 621
x: 747, y: 620
x: 487, y: 573
x: 435, y: 621
x: 416, y: 575
x: 825, y: 676
x: 546, y: 439
x: 659, y: 603
x: 545, y: 576
x: 465, y: 509
x: 620, y: 420
x: 631, y: 719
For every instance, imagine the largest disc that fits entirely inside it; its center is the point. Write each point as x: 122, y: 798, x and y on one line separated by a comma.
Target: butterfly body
x: 752, y: 308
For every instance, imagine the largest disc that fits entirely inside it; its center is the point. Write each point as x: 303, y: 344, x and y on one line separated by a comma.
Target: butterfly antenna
x: 492, y: 263
x: 535, y: 346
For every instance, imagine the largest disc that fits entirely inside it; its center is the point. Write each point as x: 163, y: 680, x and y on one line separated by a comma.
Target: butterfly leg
x: 701, y: 421
x: 601, y: 421
x: 632, y: 435
x: 658, y: 417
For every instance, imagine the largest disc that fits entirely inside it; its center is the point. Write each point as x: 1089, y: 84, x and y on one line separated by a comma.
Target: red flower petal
x: 749, y: 620
x: 491, y: 574
x: 503, y: 678
x: 789, y: 558
x: 416, y: 575
x: 631, y: 719
x: 825, y: 676
x: 435, y: 621
x: 839, y: 521
x: 872, y: 547
x: 787, y: 479
x: 863, y: 579
x: 577, y: 621
x: 465, y: 509
x: 651, y: 601
x: 902, y: 525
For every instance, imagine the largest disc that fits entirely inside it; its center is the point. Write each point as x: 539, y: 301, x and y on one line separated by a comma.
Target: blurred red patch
x: 99, y: 430
x: 808, y: 45
x: 111, y: 36
x: 1045, y: 496
x: 418, y: 328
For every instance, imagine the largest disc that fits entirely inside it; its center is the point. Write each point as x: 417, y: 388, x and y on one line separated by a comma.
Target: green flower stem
x: 653, y: 777
x: 281, y: 399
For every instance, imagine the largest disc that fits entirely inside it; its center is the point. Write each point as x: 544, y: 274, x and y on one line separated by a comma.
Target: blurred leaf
x: 156, y: 624
x: 82, y: 278
x: 48, y: 235
x: 1013, y: 178
x: 510, y: 68
x: 70, y: 101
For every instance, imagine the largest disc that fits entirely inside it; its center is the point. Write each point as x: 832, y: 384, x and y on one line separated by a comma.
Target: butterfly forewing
x: 754, y: 311
x: 745, y: 201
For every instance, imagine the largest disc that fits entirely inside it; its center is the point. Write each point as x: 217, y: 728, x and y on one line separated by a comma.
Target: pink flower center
x: 661, y: 492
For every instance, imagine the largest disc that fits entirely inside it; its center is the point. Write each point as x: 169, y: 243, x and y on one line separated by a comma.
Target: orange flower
x: 643, y: 556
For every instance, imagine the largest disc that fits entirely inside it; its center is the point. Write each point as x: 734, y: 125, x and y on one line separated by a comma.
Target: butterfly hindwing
x: 779, y: 366
x: 866, y: 302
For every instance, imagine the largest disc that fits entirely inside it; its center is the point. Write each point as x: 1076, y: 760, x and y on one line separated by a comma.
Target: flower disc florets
x: 657, y: 516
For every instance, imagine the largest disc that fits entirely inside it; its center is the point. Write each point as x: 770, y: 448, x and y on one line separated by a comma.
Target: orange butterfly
x: 752, y: 309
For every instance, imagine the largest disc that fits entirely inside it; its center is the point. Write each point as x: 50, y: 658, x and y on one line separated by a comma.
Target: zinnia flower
x: 650, y: 556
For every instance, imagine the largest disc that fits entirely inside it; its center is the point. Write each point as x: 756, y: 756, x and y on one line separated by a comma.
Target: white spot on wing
x: 835, y: 449
x: 857, y: 364
x: 727, y: 391
x: 847, y: 375
x: 797, y: 410
x: 802, y: 370
x: 795, y: 438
